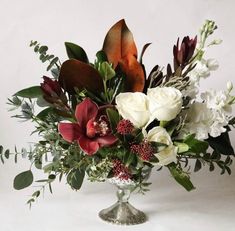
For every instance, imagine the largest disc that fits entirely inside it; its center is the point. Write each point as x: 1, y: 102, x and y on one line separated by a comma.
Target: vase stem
x: 123, y: 195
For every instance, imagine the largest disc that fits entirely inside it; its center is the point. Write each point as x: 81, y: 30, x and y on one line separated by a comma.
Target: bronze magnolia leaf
x: 77, y: 74
x: 120, y: 48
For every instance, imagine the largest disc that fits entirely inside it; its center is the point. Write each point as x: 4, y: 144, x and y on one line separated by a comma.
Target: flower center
x: 97, y: 127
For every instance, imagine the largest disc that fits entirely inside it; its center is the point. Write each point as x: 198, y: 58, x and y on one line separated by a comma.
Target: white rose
x: 164, y: 103
x: 168, y: 154
x: 134, y: 107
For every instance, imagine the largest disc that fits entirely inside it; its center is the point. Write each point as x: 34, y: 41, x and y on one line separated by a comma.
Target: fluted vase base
x: 123, y: 213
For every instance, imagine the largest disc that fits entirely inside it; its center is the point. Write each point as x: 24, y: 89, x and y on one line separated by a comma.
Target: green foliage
x: 196, y: 146
x: 180, y: 176
x: 31, y: 92
x: 4, y: 154
x: 75, y: 178
x: 106, y: 71
x: 44, y: 57
x: 23, y: 180
x: 76, y: 52
x: 221, y: 144
x: 101, y: 57
x: 113, y: 118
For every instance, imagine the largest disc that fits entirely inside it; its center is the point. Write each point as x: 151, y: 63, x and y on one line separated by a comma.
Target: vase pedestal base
x: 123, y: 213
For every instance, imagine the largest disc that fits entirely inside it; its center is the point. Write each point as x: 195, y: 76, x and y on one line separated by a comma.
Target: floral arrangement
x: 110, y: 120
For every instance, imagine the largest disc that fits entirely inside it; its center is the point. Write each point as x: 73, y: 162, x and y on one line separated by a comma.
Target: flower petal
x: 75, y: 73
x: 70, y: 131
x: 106, y: 140
x: 89, y: 146
x: 86, y: 111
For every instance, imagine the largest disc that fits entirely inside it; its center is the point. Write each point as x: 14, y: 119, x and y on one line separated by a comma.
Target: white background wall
x: 52, y: 22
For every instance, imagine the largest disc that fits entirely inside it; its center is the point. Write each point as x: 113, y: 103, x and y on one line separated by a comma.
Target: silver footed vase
x: 122, y: 212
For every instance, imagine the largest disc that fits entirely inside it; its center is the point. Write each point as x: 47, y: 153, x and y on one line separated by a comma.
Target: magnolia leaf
x: 120, y: 48
x: 77, y: 74
x: 76, y: 52
x: 31, y: 92
x: 23, y: 180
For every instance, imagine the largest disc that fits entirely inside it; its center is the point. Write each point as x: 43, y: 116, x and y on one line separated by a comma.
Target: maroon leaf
x: 76, y: 74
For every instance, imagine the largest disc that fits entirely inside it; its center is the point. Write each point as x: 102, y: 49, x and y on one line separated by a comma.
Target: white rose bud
x: 133, y: 107
x: 164, y: 103
x: 168, y: 154
x: 212, y: 64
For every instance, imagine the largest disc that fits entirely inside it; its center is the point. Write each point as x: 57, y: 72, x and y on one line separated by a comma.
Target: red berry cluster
x: 143, y: 149
x: 120, y: 170
x: 125, y: 127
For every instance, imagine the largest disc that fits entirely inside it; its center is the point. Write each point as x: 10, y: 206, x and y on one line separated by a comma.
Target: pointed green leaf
x: 181, y: 177
x: 31, y: 92
x: 76, y: 52
x: 113, y: 118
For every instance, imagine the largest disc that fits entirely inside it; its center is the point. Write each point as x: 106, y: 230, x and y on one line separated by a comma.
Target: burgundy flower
x: 91, y: 130
x: 144, y: 150
x: 125, y: 127
x: 120, y: 170
x: 52, y: 91
x: 184, y: 52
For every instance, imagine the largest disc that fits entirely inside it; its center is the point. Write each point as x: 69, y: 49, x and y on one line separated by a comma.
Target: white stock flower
x: 134, y: 107
x: 164, y: 103
x: 202, y: 121
x: 218, y: 100
x: 168, y: 154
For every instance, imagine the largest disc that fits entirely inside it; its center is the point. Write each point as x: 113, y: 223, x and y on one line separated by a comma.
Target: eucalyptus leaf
x: 75, y: 178
x: 23, y: 180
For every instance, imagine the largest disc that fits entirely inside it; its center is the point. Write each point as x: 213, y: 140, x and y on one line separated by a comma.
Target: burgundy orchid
x: 91, y: 131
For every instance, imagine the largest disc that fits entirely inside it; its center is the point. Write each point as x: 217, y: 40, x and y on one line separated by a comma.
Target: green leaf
x: 198, y: 165
x: 181, y: 177
x: 52, y: 63
x: 44, y: 113
x: 113, y: 118
x: 182, y: 147
x: 36, y: 194
x: 221, y: 144
x: 43, y: 49
x: 101, y: 56
x: 1, y: 149
x: 76, y: 52
x: 196, y: 146
x: 106, y: 71
x: 7, y: 153
x: 23, y: 180
x: 31, y: 92
x: 75, y: 178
